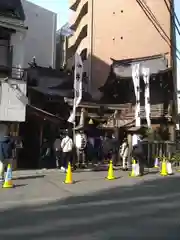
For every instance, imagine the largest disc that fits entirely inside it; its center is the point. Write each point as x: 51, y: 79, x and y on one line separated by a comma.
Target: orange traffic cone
x: 8, y: 179
x: 68, y: 179
x: 110, y: 175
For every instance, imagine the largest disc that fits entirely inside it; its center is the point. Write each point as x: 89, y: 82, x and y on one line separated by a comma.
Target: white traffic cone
x: 137, y: 169
x: 169, y: 168
x: 156, y: 163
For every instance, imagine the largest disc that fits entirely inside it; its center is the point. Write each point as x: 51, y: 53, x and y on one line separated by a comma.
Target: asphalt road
x: 42, y: 207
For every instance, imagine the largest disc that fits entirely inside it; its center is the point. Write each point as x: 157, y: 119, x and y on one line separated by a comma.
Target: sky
x: 58, y: 6
x: 177, y: 10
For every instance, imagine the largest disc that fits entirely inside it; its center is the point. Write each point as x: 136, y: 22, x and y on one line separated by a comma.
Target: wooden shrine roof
x: 126, y: 111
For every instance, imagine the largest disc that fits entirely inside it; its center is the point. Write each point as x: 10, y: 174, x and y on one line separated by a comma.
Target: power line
x: 150, y: 15
x: 157, y: 22
x: 147, y: 8
x: 172, y: 15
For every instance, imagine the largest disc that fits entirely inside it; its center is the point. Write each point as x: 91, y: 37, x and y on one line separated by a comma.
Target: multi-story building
x: 26, y: 30
x: 118, y: 29
x: 61, y: 49
x: 12, y: 35
x: 40, y: 39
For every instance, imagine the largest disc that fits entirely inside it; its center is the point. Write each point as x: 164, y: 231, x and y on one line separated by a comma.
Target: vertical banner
x: 78, y: 72
x: 146, y: 78
x: 136, y: 82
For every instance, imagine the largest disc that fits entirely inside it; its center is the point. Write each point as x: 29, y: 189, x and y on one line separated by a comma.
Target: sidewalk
x: 47, y: 185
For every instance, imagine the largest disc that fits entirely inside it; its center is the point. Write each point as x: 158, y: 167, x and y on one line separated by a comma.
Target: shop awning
x: 44, y: 114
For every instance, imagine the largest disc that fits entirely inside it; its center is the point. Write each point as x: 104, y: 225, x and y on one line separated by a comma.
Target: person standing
x: 124, y: 154
x: 7, y: 146
x: 45, y: 154
x: 81, y: 143
x: 57, y: 151
x: 67, y: 152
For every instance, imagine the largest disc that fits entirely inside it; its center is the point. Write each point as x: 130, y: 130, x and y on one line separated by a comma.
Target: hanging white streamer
x: 146, y: 77
x: 77, y: 86
x: 136, y: 82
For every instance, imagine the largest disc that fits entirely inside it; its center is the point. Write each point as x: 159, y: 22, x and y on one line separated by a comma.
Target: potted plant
x: 175, y: 160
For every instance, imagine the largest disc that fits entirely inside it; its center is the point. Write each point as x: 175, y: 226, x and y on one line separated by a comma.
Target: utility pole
x: 176, y: 6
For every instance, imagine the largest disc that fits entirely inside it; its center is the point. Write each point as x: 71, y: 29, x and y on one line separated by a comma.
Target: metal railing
x: 18, y: 73
x: 159, y: 149
x: 6, y: 64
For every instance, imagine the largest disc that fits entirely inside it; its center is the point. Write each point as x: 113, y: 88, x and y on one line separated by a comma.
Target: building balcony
x: 77, y: 16
x: 5, y: 59
x: 74, y: 4
x: 6, y: 68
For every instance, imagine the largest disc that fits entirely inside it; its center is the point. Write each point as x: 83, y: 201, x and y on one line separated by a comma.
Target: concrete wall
x: 3, y: 52
x: 15, y: 39
x: 40, y: 39
x: 128, y: 34
x: 118, y: 29
x: 18, y: 43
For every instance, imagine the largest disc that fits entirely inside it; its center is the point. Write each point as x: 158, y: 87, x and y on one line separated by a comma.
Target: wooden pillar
x: 172, y: 132
x: 129, y: 138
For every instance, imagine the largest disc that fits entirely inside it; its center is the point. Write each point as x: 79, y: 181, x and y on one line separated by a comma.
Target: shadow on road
x: 28, y: 177
x: 150, y: 210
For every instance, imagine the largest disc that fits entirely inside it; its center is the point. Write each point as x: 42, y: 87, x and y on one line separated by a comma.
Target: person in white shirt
x: 67, y: 152
x: 81, y: 143
x: 124, y: 154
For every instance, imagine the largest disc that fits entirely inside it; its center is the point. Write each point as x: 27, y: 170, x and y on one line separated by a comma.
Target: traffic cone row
x: 166, y: 169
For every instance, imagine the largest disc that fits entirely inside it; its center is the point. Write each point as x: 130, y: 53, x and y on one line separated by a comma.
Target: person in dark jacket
x: 108, y: 146
x: 137, y: 153
x: 6, y: 153
x: 45, y: 154
x: 57, y: 151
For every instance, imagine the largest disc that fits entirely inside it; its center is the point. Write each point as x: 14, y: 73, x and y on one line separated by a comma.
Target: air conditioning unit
x: 13, y: 101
